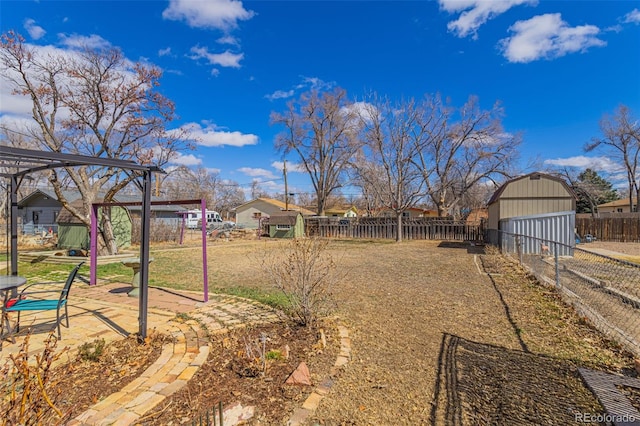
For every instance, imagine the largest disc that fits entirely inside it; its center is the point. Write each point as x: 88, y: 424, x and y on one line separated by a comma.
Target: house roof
x: 72, y: 196
x: 341, y: 210
x: 617, y: 203
x: 69, y: 195
x: 281, y: 205
x: 284, y: 218
x: 496, y: 195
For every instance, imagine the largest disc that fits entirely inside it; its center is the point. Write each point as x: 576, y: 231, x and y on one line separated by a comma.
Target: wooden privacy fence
x: 614, y: 228
x: 386, y: 228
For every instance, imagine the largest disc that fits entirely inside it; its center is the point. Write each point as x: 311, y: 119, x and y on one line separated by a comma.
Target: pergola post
x: 14, y: 225
x: 144, y: 253
x: 93, y: 245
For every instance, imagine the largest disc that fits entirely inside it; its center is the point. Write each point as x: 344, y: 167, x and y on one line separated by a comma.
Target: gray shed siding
x: 528, y: 196
x: 544, y: 228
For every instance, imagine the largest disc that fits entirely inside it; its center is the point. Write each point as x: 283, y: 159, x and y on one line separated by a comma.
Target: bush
x: 28, y: 392
x: 305, y: 273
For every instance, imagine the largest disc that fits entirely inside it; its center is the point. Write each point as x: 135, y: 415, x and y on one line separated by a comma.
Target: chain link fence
x: 603, y: 289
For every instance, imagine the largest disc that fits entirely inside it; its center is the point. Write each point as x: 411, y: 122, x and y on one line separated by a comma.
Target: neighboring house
x: 166, y: 212
x: 288, y: 224
x: 40, y: 209
x: 248, y: 215
x: 342, y: 212
x: 477, y: 215
x: 410, y: 213
x: 617, y: 206
x: 73, y: 234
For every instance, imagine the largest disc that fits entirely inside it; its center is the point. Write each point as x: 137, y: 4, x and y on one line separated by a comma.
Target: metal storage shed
x: 536, y: 205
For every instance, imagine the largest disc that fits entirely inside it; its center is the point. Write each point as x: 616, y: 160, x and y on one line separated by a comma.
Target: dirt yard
x: 630, y: 249
x: 438, y: 341
x: 442, y: 333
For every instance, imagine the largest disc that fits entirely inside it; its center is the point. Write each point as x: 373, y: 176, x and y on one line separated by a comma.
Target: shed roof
x: 535, y: 175
x: 284, y: 218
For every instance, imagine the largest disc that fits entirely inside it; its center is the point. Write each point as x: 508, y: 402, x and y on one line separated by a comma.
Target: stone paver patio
x: 107, y: 312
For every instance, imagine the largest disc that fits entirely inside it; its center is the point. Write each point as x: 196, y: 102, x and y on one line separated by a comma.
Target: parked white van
x: 193, y: 218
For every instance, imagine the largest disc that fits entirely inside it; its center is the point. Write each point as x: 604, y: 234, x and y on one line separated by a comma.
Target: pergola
x: 16, y: 163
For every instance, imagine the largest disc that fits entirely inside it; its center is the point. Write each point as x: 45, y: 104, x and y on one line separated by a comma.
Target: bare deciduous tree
x: 94, y: 102
x: 463, y: 147
x: 621, y: 141
x: 390, y: 135
x: 320, y: 130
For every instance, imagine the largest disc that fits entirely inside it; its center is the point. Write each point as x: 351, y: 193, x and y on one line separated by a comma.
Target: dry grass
x: 435, y: 339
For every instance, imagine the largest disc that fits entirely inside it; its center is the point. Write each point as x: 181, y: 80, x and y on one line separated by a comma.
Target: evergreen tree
x: 592, y: 190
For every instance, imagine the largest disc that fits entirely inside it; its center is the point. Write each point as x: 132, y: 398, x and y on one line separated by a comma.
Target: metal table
x: 8, y: 284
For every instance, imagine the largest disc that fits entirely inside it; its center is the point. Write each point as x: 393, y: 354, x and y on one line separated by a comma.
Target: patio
x: 106, y: 312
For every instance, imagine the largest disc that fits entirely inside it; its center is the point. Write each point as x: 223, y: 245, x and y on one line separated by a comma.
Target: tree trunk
x: 399, y: 227
x: 110, y: 244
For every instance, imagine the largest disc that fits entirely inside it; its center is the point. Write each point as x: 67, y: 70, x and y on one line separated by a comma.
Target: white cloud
x: 291, y: 167
x: 76, y: 41
x: 210, y: 135
x: 225, y: 59
x: 603, y: 164
x: 315, y: 83
x: 186, y: 160
x: 211, y: 14
x: 476, y: 13
x: 280, y: 94
x: 164, y: 52
x: 17, y: 108
x: 228, y: 39
x: 546, y: 37
x: 307, y: 83
x: 35, y: 31
x: 362, y: 109
x: 632, y: 17
x: 257, y: 172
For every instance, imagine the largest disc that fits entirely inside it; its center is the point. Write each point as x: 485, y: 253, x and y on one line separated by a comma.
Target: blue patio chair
x: 23, y: 303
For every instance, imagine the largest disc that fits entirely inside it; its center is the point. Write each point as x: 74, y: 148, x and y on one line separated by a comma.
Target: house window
x: 619, y: 210
x: 283, y: 227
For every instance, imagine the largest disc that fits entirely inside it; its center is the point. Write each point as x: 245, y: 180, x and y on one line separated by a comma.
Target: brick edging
x: 301, y: 414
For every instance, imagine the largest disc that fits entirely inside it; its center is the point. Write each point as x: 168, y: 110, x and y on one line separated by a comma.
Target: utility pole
x: 286, y: 189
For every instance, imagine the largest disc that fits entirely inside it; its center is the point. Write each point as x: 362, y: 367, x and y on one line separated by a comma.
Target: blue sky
x: 556, y: 66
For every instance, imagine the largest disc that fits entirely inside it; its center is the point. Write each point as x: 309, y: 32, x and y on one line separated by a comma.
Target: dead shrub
x: 305, y: 272
x: 28, y: 394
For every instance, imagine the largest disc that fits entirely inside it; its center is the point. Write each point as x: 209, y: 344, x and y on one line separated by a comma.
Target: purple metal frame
x: 94, y: 237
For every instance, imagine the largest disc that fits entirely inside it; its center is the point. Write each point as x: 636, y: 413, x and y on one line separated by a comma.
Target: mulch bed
x: 233, y: 373
x: 79, y: 383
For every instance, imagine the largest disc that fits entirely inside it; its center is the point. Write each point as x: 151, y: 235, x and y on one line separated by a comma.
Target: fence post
x: 555, y: 253
x: 518, y: 248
